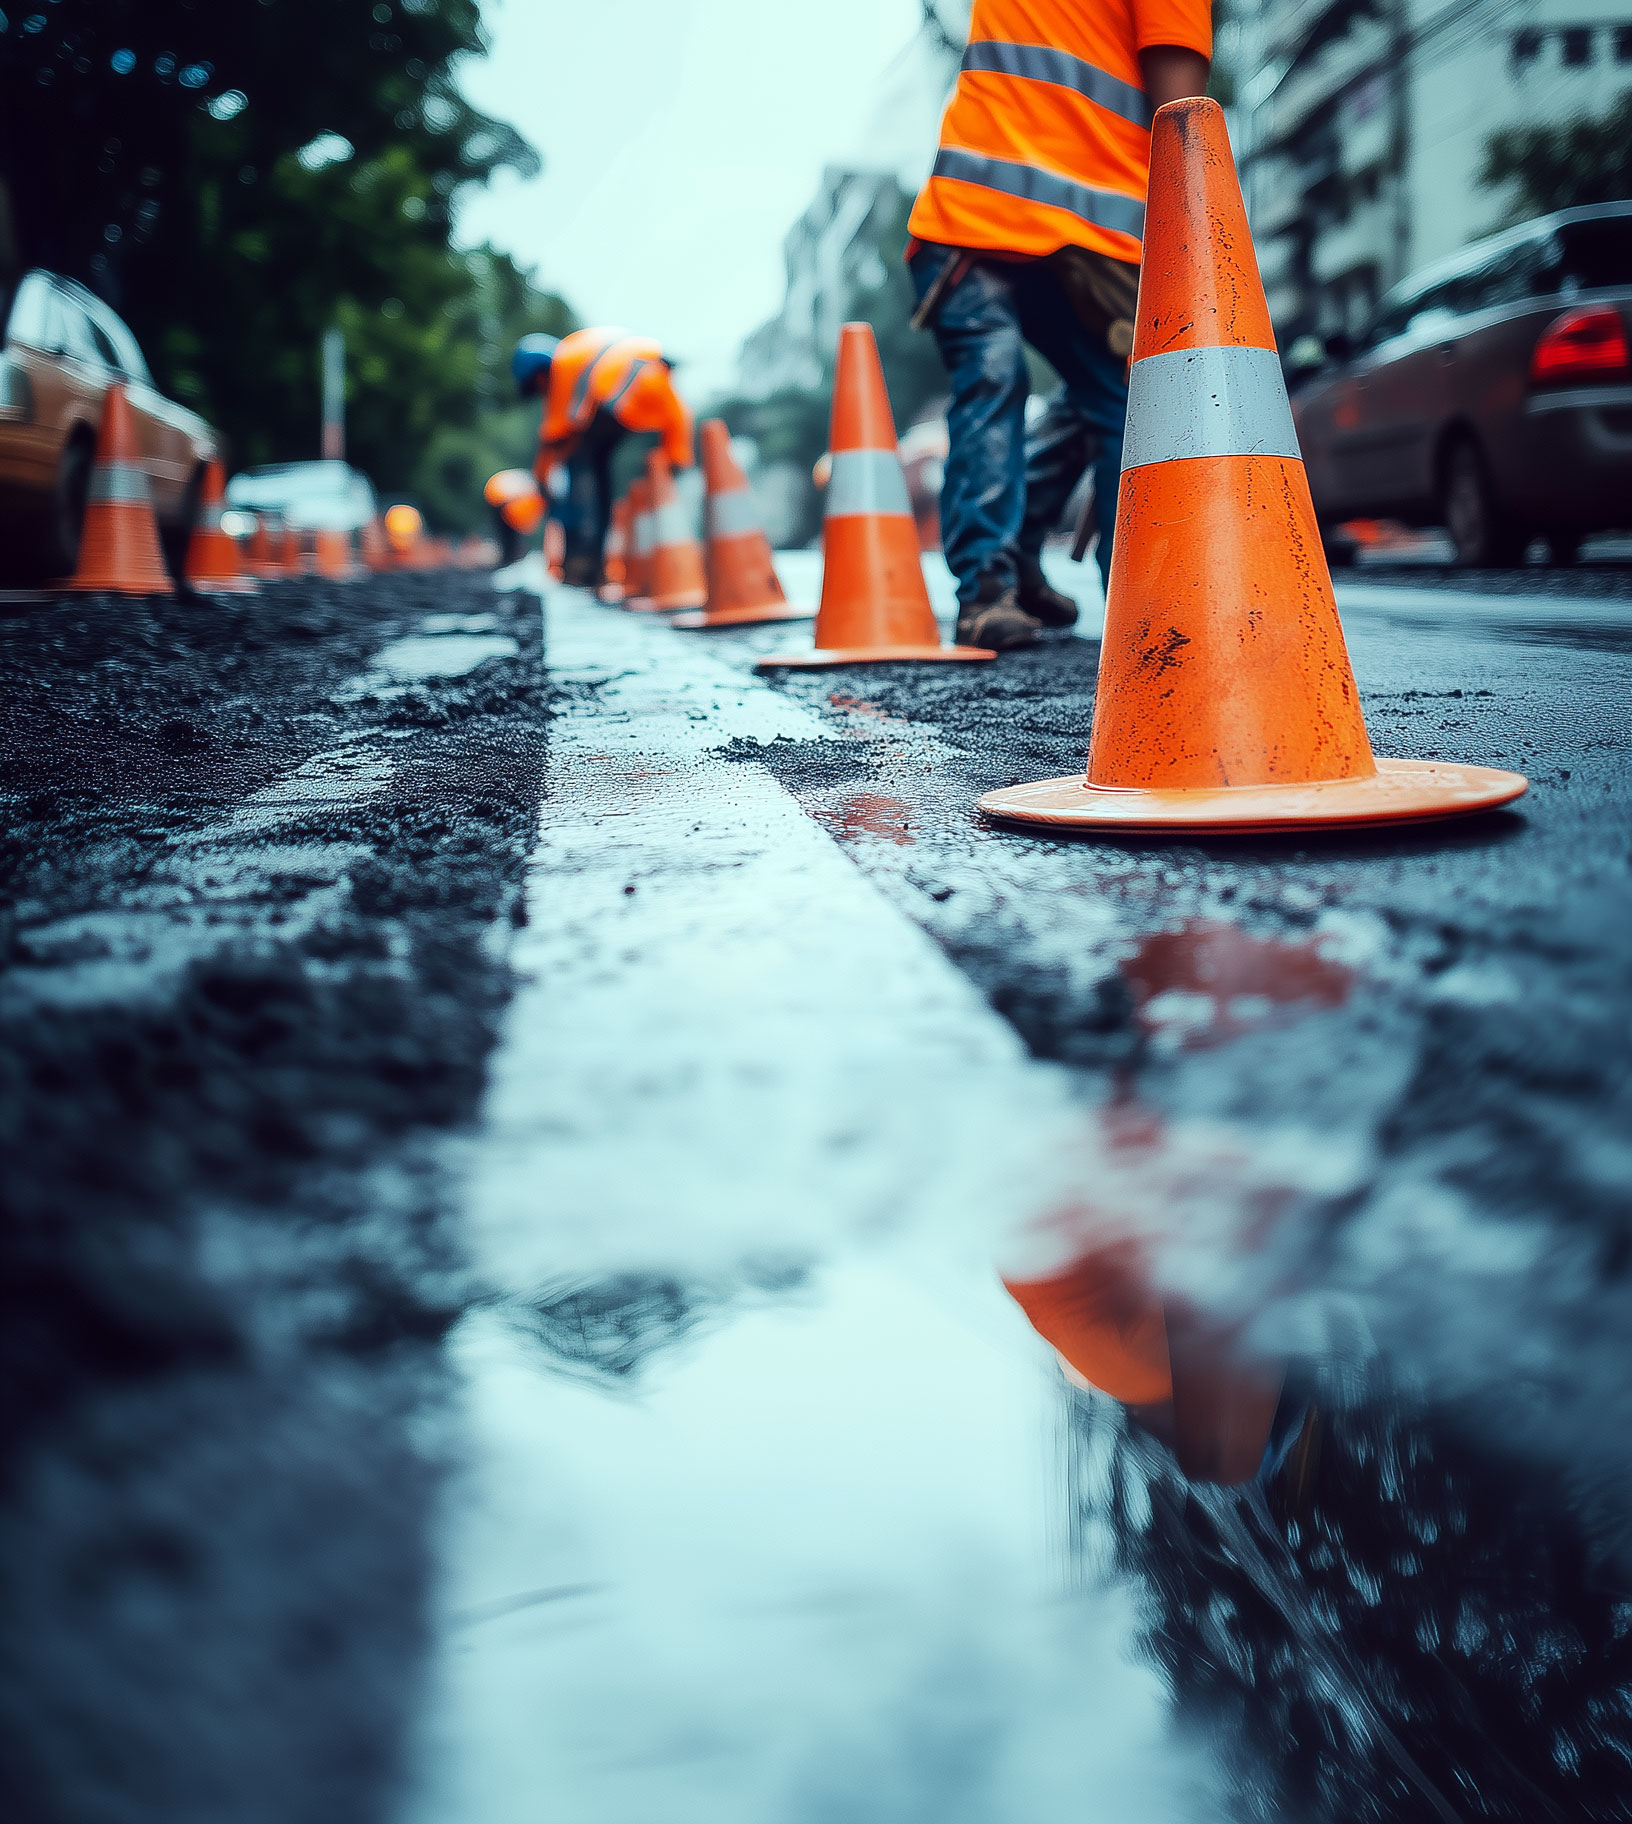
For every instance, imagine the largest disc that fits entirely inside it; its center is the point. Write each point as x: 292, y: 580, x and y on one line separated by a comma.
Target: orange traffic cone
x: 1226, y: 700
x: 292, y: 552
x: 119, y: 551
x: 331, y: 555
x: 677, y: 559
x: 555, y: 549
x: 260, y: 548
x: 615, y: 564
x: 372, y: 546
x: 875, y: 604
x: 212, y: 556
x: 743, y: 587
x: 638, y: 593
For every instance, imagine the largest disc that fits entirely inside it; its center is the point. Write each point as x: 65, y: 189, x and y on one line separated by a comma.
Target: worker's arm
x: 1172, y: 72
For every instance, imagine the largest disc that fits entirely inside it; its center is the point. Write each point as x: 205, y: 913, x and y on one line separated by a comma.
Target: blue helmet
x: 530, y: 364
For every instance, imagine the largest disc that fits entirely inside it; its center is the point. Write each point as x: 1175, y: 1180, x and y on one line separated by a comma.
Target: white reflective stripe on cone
x: 866, y: 481
x: 643, y: 533
x: 121, y: 483
x: 671, y: 525
x: 732, y: 514
x: 1207, y: 402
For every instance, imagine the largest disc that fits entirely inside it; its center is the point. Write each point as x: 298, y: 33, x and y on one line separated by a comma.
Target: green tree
x: 1584, y: 160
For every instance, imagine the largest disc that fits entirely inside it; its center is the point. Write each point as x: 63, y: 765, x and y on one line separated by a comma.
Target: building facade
x: 1362, y: 127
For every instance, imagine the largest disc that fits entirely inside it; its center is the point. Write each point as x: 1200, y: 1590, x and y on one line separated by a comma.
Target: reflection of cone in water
x: 614, y: 561
x: 743, y: 588
x: 875, y: 604
x: 1225, y: 700
x: 677, y: 579
x: 213, y: 566
x: 119, y: 551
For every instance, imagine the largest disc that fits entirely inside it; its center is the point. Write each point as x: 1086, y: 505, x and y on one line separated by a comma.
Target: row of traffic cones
x: 120, y: 553
x: 1226, y: 701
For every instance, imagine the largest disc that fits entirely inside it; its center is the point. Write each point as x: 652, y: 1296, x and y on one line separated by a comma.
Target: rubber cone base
x: 640, y: 604
x: 612, y: 594
x: 682, y: 598
x: 223, y: 585
x: 744, y: 617
x: 873, y: 655
x: 1400, y: 791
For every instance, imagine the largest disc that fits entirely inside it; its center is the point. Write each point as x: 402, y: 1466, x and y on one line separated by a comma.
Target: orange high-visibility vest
x: 1046, y: 140
x: 609, y: 370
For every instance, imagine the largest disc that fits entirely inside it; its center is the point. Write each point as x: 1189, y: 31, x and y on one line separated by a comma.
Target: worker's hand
x: 1171, y: 73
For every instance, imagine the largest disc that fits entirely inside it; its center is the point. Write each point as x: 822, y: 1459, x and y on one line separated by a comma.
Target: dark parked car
x: 1491, y: 394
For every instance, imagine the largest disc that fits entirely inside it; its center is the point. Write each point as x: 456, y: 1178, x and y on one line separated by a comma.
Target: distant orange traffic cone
x: 743, y: 587
x: 372, y: 546
x: 292, y: 552
x: 875, y: 604
x: 213, y: 566
x: 331, y: 555
x: 638, y: 593
x: 677, y: 579
x: 615, y: 561
x: 119, y: 552
x: 555, y: 549
x: 1226, y: 700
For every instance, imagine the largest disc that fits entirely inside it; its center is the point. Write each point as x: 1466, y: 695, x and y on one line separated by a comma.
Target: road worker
x: 597, y: 386
x: 1029, y: 230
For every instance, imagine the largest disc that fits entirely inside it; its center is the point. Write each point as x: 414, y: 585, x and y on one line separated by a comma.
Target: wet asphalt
x: 266, y: 866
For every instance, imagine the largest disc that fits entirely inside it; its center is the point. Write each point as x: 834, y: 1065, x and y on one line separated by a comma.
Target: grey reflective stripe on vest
x: 1207, y: 402
x: 866, y: 481
x: 636, y: 369
x: 732, y: 515
x: 1104, y: 208
x: 580, y: 391
x: 1041, y: 63
x: 121, y: 483
x: 670, y: 524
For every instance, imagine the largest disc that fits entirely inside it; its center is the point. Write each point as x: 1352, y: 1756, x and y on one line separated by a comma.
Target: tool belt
x: 1103, y: 293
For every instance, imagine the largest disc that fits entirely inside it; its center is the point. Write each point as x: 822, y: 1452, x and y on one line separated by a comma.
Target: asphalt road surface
x: 512, y: 1124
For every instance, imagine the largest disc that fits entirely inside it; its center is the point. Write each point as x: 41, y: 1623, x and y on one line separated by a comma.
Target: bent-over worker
x: 1029, y: 230
x: 597, y: 386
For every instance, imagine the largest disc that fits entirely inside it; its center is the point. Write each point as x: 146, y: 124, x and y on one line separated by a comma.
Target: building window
x: 1578, y: 45
x: 1623, y: 44
x: 1526, y: 47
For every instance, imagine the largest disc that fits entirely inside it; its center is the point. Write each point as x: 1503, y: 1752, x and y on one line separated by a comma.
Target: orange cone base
x: 744, y: 617
x: 612, y: 594
x: 681, y: 598
x: 640, y: 604
x: 873, y: 655
x: 1400, y: 791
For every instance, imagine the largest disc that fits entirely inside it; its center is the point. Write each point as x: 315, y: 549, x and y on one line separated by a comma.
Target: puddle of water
x: 441, y: 655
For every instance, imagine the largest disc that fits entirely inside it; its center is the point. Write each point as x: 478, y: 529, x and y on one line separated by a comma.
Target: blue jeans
x: 1004, y: 491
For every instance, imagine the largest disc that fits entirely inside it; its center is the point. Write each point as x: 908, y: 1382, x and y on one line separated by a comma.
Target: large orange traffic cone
x: 875, y: 604
x: 677, y: 579
x: 1226, y: 700
x: 119, y: 551
x: 615, y: 559
x: 213, y: 567
x: 743, y: 588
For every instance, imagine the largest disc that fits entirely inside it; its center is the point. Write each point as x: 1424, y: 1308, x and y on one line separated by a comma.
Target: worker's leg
x: 977, y: 329
x: 1096, y: 383
x: 588, y: 507
x: 1059, y: 446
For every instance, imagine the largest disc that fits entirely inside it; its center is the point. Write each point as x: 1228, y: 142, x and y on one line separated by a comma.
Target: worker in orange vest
x: 1029, y: 230
x: 597, y: 385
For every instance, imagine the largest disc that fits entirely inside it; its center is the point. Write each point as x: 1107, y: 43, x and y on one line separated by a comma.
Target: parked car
x: 1491, y: 394
x: 327, y: 496
x: 62, y: 350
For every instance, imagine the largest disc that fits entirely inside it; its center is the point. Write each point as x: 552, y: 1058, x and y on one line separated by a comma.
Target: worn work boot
x: 995, y: 620
x: 581, y: 572
x: 1044, y: 603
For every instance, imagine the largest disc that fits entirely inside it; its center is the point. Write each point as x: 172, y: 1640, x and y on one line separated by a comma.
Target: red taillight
x: 1581, y: 343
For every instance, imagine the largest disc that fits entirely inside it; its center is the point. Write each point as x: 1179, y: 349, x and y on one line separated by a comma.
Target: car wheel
x: 1481, y: 532
x: 59, y: 543
x: 174, y: 539
x: 1563, y: 548
x: 1342, y: 553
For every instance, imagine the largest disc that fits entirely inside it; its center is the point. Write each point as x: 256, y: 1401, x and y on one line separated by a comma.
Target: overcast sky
x: 681, y: 139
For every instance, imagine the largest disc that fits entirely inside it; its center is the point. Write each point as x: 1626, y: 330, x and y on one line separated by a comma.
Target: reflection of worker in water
x: 1029, y: 230
x: 597, y: 386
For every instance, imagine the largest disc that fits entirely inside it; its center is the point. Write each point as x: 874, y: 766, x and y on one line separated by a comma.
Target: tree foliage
x: 236, y: 176
x: 1584, y: 160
